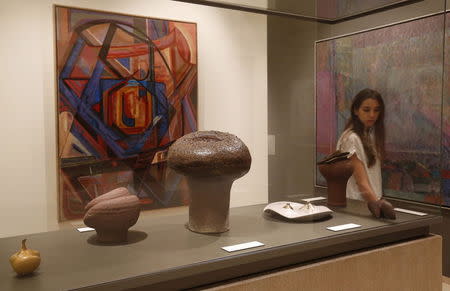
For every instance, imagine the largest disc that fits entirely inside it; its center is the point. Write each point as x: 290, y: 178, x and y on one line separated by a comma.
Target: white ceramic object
x: 298, y: 211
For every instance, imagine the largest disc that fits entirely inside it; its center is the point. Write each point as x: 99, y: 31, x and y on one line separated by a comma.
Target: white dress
x: 350, y: 142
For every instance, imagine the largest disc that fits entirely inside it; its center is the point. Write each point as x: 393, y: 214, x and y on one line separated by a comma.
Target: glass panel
x: 338, y: 9
x: 410, y: 81
x: 128, y: 87
x: 397, y: 52
x: 402, y: 59
x: 331, y: 10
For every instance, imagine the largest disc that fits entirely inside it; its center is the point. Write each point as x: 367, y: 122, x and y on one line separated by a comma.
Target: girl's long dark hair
x: 353, y: 123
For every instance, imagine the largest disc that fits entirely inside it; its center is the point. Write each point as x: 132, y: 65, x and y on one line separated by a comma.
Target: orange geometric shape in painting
x: 126, y: 103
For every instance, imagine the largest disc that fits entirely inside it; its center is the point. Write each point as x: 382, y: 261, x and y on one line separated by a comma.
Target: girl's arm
x: 362, y: 180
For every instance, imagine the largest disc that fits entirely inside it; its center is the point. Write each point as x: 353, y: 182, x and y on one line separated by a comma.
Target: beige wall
x: 232, y: 90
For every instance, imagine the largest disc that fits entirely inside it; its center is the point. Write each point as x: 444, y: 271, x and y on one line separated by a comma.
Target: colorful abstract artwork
x: 127, y: 89
x: 404, y: 62
x: 446, y: 117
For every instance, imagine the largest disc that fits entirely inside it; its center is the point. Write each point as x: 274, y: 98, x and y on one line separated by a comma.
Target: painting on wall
x: 446, y: 117
x: 127, y: 89
x: 404, y: 63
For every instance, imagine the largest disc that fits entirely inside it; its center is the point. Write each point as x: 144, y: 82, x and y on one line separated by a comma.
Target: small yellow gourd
x: 25, y: 261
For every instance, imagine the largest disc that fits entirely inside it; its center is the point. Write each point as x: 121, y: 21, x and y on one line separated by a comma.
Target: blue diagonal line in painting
x: 70, y: 63
x: 155, y: 28
x: 92, y: 90
x: 166, y: 27
x: 189, y: 114
x: 137, y: 147
x: 69, y: 95
x: 163, y: 110
x: 99, y: 127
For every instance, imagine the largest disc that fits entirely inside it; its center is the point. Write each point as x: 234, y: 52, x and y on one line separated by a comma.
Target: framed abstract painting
x: 404, y: 62
x: 127, y: 89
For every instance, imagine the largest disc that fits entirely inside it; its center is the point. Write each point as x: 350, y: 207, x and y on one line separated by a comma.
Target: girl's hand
x: 381, y: 208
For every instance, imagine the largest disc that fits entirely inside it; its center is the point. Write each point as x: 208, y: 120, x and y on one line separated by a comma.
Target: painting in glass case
x: 127, y: 89
x: 445, y: 172
x: 404, y: 62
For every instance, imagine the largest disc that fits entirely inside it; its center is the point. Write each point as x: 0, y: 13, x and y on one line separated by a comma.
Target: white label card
x: 239, y: 247
x: 314, y: 199
x: 410, y: 211
x: 83, y: 229
x: 343, y: 227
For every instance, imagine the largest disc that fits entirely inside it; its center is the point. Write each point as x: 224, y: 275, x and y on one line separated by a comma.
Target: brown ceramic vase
x: 211, y: 161
x: 337, y: 175
x: 112, y: 214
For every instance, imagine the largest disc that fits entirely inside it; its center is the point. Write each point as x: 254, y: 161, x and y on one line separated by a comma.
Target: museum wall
x: 232, y: 97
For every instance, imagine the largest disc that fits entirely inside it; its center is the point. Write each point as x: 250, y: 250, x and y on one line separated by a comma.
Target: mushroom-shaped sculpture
x: 211, y: 161
x: 336, y: 172
x: 112, y: 214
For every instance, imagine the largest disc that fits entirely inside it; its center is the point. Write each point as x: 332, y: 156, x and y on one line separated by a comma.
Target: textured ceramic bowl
x: 112, y: 214
x: 211, y: 161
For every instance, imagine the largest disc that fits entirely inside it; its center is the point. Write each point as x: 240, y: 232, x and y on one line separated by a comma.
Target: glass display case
x: 298, y: 75
x: 132, y: 78
x: 161, y: 254
x: 374, y: 50
x: 319, y: 10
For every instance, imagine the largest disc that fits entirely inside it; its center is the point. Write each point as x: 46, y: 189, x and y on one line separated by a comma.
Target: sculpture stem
x: 209, y: 204
x: 112, y: 235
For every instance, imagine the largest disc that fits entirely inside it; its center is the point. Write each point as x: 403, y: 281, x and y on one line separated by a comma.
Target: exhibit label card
x: 314, y: 199
x: 410, y: 211
x: 343, y: 227
x: 243, y: 246
x: 83, y: 229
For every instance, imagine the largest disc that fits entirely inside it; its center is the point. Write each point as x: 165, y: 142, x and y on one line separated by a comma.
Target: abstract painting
x: 445, y: 172
x: 127, y: 89
x: 404, y: 62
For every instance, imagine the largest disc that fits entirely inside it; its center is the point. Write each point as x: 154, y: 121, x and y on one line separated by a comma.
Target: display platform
x: 163, y: 254
x: 410, y: 265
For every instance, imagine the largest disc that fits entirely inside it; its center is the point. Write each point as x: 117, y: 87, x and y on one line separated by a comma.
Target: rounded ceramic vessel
x: 112, y: 214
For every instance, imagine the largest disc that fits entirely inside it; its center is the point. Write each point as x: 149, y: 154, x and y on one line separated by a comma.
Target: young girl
x: 363, y: 137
